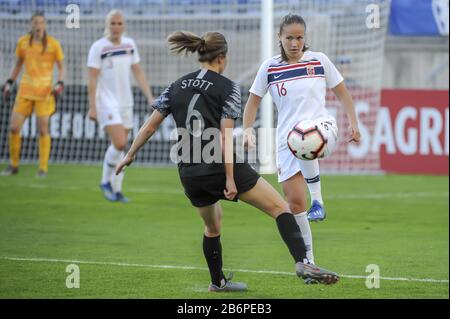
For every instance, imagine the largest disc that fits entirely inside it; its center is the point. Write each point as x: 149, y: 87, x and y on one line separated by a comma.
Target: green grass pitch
x: 152, y: 247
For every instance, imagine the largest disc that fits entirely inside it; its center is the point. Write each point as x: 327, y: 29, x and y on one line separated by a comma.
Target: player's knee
x: 278, y: 208
x: 212, y: 230
x: 43, y: 131
x: 297, y: 206
x: 120, y: 145
x: 15, y: 129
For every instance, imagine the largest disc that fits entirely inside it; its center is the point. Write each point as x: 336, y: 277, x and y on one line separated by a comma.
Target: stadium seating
x: 135, y: 7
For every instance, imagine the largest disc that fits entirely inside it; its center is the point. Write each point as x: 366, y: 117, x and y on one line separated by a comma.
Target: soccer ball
x: 307, y: 141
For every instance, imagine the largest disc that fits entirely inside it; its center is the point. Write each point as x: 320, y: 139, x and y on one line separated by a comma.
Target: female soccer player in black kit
x: 204, y: 105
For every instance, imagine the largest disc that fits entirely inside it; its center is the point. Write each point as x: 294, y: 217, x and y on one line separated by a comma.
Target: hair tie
x: 202, y: 47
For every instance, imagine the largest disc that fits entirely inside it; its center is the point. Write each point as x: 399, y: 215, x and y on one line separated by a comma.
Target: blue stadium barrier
x: 419, y: 17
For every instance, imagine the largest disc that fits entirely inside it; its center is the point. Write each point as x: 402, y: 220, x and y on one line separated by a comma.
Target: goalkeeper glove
x: 7, y: 87
x: 58, y: 88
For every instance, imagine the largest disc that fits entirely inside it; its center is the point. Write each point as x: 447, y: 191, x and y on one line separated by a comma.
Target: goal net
x: 338, y: 28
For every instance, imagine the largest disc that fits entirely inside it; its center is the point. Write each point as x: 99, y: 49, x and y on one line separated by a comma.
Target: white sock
x: 305, y: 228
x: 116, y: 182
x: 311, y: 172
x: 112, y: 157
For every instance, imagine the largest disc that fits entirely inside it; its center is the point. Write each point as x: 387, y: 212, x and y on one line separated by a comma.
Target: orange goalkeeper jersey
x: 36, y: 83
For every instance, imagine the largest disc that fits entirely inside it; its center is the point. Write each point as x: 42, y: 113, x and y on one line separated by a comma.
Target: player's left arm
x: 141, y: 79
x: 61, y: 70
x: 346, y: 100
x: 230, y: 112
x: 226, y: 128
x: 145, y: 132
x: 59, y: 86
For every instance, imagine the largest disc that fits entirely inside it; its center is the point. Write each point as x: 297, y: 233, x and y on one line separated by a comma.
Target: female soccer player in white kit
x: 297, y: 81
x: 110, y: 98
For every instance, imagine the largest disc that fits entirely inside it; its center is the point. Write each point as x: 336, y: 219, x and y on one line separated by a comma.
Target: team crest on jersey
x: 310, y: 69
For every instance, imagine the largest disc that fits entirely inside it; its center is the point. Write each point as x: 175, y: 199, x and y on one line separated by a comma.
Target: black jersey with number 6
x: 198, y: 101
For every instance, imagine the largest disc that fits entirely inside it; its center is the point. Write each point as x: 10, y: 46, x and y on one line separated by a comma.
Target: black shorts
x: 208, y: 189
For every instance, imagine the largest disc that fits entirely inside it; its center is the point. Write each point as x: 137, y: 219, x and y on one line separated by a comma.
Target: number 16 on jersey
x: 281, y: 89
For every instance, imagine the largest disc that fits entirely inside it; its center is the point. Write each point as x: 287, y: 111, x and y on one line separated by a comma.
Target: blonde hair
x: 109, y: 16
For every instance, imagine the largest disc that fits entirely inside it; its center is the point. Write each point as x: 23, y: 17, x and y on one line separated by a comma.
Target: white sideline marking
x: 271, y: 272
x: 180, y: 191
x: 389, y: 195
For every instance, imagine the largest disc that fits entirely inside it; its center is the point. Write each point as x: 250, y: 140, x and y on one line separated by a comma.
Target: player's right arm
x: 145, y: 132
x: 94, y: 63
x: 161, y: 110
x: 92, y: 89
x: 13, y: 76
x: 257, y: 92
x: 251, y: 108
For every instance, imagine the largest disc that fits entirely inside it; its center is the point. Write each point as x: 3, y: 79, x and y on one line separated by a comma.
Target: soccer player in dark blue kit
x: 204, y: 105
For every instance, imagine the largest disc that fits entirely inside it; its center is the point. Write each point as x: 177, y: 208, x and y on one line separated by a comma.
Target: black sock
x: 213, y: 254
x: 290, y: 232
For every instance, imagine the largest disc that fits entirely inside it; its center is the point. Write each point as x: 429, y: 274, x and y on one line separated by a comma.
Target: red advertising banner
x: 412, y: 131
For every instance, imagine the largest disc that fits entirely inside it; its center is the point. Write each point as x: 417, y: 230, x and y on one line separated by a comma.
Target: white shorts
x: 288, y: 165
x: 330, y: 129
x: 112, y: 116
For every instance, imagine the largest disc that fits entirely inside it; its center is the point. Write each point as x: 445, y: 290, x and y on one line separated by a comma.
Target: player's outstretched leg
x: 267, y: 199
x: 314, y: 273
x: 212, y: 249
x: 311, y: 172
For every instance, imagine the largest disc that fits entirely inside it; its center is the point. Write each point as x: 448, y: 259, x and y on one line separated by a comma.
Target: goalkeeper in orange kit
x: 39, y: 52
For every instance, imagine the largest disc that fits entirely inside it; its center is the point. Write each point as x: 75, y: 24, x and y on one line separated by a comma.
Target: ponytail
x: 209, y: 46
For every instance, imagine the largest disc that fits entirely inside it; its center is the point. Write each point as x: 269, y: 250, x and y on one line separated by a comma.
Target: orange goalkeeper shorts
x: 42, y: 108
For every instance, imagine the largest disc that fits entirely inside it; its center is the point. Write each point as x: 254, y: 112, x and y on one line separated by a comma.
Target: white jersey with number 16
x: 298, y: 90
